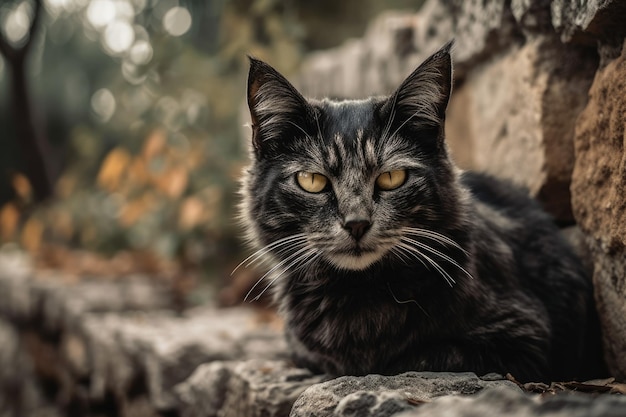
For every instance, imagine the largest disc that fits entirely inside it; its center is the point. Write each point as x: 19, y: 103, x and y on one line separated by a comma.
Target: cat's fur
x: 456, y: 271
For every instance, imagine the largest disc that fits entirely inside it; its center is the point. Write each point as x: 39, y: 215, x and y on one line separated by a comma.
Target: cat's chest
x: 333, y: 316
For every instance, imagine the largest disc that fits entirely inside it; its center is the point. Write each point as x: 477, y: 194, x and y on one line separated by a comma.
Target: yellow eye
x: 391, y: 180
x: 311, y: 182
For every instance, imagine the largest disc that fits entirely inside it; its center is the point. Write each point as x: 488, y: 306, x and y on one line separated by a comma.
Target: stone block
x: 377, y: 395
x: 516, y: 115
x: 599, y: 201
x: 254, y: 388
x: 481, y: 29
x: 499, y: 402
x: 164, y: 349
x: 588, y: 21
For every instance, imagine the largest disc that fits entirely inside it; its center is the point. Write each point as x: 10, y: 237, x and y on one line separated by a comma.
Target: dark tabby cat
x: 387, y: 257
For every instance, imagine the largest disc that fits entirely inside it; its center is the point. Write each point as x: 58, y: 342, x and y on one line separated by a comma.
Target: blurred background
x: 121, y: 126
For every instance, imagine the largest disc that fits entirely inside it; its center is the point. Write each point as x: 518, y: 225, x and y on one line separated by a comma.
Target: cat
x: 387, y: 257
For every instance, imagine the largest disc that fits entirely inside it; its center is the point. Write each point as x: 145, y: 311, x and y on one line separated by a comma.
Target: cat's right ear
x: 276, y: 107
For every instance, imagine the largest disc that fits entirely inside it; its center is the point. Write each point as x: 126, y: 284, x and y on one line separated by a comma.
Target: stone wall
x: 539, y: 99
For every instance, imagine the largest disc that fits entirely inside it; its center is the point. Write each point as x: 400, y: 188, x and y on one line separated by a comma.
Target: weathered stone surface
x: 589, y: 20
x: 599, y: 201
x: 55, y: 302
x: 510, y: 403
x: 533, y: 16
x: 20, y: 391
x: 518, y: 115
x: 166, y: 349
x: 481, y: 28
x: 377, y: 395
x: 250, y: 388
x: 382, y: 58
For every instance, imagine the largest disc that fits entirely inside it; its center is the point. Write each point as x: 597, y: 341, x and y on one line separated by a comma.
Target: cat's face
x: 349, y: 182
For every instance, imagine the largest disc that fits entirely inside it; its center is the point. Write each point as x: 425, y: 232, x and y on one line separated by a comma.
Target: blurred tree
x: 145, y: 104
x: 29, y: 128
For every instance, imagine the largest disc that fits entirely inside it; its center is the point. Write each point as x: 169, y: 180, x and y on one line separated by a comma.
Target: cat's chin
x: 353, y: 261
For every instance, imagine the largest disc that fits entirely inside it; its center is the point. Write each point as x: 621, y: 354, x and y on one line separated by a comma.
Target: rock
x: 251, y: 388
x: 165, y: 349
x: 56, y: 303
x: 373, y: 65
x: 518, y: 115
x: 533, y: 16
x: 599, y: 202
x: 20, y: 391
x: 481, y: 29
x: 511, y: 403
x: 377, y: 395
x: 590, y: 20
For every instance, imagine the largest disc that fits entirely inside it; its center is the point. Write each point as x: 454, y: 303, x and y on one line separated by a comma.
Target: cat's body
x: 387, y: 257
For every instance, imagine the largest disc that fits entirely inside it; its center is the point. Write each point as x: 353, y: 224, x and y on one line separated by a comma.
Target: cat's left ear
x: 421, y: 100
x: 276, y: 107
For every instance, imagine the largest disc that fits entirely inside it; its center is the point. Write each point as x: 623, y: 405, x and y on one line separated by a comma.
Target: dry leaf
x: 22, y: 187
x: 113, y: 169
x: 9, y: 219
x: 32, y: 234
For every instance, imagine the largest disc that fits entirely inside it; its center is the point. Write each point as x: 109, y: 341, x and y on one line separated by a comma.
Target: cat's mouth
x: 355, y: 259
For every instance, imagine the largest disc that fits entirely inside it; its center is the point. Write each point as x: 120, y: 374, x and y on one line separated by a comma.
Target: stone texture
x: 55, y: 303
x: 533, y: 16
x: 252, y: 388
x: 590, y: 20
x: 377, y: 395
x: 20, y: 392
x: 599, y: 201
x: 518, y: 113
x: 481, y: 28
x: 165, y: 349
x: 103, y: 338
x: 499, y: 402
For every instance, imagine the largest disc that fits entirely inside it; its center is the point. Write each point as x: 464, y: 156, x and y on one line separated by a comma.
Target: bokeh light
x: 118, y: 37
x: 103, y: 104
x: 177, y: 21
x: 141, y: 52
x: 17, y: 22
x: 100, y: 13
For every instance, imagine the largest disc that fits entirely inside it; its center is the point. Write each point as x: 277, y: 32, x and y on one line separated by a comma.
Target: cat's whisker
x: 413, y: 252
x: 392, y: 116
x: 431, y: 261
x: 311, y: 254
x: 273, y: 269
x: 300, y: 128
x: 317, y: 122
x: 254, y: 257
x: 418, y: 111
x: 436, y: 236
x: 406, y: 301
x: 436, y: 252
x: 401, y: 255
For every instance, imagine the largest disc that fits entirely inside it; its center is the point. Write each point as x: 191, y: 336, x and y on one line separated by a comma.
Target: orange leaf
x: 32, y: 234
x: 22, y: 187
x: 191, y: 213
x: 9, y: 218
x: 174, y: 182
x: 113, y: 169
x: 154, y: 144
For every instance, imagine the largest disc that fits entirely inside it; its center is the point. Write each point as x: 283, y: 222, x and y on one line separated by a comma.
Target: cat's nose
x: 357, y: 228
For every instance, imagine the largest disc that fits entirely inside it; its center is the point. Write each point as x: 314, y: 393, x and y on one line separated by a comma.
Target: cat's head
x: 349, y: 183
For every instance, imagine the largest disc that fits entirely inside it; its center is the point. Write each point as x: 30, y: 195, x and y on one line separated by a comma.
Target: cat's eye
x: 311, y: 182
x: 391, y: 180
